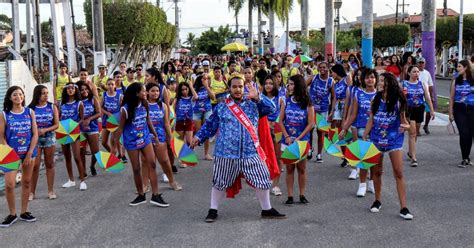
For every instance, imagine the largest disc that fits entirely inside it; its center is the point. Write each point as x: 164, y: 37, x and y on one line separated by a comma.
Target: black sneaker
x: 310, y: 154
x: 376, y: 206
x: 319, y: 159
x: 427, y: 131
x: 409, y: 155
x: 405, y: 214
x: 414, y: 163
x: 465, y: 163
x: 211, y: 215
x: 93, y: 171
x: 9, y: 220
x: 158, y: 201
x: 174, y: 169
x: 124, y: 159
x: 140, y: 199
x: 303, y: 200
x: 272, y: 214
x: 344, y: 163
x: 290, y: 201
x: 26, y: 216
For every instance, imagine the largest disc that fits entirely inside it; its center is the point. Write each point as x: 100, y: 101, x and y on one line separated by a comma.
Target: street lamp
x: 337, y: 6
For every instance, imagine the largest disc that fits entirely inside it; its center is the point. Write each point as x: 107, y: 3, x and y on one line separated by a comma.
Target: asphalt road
x: 440, y: 195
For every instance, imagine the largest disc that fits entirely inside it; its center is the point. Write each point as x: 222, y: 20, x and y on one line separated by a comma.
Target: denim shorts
x: 47, y: 140
x: 197, y: 116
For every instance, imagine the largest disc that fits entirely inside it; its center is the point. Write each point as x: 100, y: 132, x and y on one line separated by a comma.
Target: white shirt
x: 425, y: 78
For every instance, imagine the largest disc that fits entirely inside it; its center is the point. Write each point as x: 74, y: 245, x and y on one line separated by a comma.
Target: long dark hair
x: 166, y: 70
x: 7, y: 102
x: 275, y: 86
x: 157, y: 74
x: 467, y: 65
x: 394, y: 95
x: 300, y: 93
x: 198, y: 82
x: 179, y: 94
x: 132, y: 101
x: 148, y: 88
x: 89, y: 95
x: 37, y: 92
x: 396, y: 64
x: 356, y: 82
x: 65, y: 96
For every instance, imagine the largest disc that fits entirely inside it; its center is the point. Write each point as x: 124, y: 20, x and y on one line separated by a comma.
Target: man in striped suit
x: 237, y: 150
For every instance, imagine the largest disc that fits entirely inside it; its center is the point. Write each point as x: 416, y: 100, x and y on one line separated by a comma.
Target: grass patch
x: 443, y: 105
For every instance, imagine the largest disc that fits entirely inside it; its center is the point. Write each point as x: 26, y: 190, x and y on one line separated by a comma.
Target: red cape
x: 266, y: 142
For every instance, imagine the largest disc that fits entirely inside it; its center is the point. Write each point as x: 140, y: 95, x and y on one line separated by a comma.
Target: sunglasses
x: 138, y: 69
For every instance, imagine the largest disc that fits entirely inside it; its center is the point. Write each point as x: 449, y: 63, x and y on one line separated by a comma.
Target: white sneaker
x: 69, y: 184
x: 83, y: 186
x: 362, y: 189
x: 165, y: 179
x: 276, y: 191
x: 354, y: 174
x: 18, y: 177
x: 370, y: 187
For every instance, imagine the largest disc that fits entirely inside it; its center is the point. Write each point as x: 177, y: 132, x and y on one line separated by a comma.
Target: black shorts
x: 416, y: 113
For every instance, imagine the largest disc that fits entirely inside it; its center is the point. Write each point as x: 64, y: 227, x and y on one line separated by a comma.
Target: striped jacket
x: 233, y: 140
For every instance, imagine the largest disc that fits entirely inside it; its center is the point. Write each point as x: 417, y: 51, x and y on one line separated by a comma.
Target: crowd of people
x: 238, y: 102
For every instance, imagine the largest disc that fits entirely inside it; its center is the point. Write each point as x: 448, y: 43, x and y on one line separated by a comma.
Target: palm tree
x: 280, y: 8
x: 251, y: 5
x: 236, y: 6
x: 304, y: 22
x: 190, y: 40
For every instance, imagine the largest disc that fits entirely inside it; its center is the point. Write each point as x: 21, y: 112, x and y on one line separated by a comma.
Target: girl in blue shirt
x: 270, y: 89
x: 296, y: 121
x: 386, y: 126
x: 183, y: 108
x: 136, y: 126
x: 202, y: 109
x: 72, y: 108
x: 416, y: 94
x: 47, y: 120
x: 159, y: 115
x: 359, y: 114
x: 461, y: 109
x: 19, y: 131
x: 110, y: 105
x: 90, y: 124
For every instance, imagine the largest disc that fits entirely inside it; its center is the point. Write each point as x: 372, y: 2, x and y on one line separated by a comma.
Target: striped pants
x: 254, y: 170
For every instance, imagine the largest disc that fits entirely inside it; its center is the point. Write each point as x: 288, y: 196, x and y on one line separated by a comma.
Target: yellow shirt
x: 218, y: 87
x: 141, y: 80
x: 60, y: 83
x: 126, y: 83
x: 100, y: 83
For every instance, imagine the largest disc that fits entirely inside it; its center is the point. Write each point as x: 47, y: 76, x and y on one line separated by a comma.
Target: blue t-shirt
x: 111, y: 103
x: 184, y: 109
x: 136, y: 134
x: 70, y: 110
x: 364, y: 100
x: 18, y: 131
x: 274, y: 116
x: 385, y: 133
x: 464, y: 93
x: 203, y: 101
x: 296, y: 119
x: 320, y: 93
x: 89, y: 110
x: 157, y: 116
x: 415, y: 93
x: 44, y: 115
x: 340, y: 89
x: 121, y: 90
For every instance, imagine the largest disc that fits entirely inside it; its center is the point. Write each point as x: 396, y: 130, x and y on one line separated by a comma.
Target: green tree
x: 236, y: 6
x: 47, y: 31
x: 211, y: 41
x: 447, y: 29
x: 135, y: 27
x: 346, y: 41
x: 391, y: 35
x: 190, y: 40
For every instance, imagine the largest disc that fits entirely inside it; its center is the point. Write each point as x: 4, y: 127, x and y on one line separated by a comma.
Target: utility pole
x: 259, y: 30
x: 329, y: 29
x: 250, y: 34
x: 428, y: 34
x: 70, y: 37
x: 38, y: 58
x: 461, y: 24
x: 396, y: 12
x: 445, y: 8
x: 304, y: 25
x: 272, y: 29
x: 176, y: 22
x: 57, y: 34
x: 98, y: 34
x: 16, y: 27
x: 28, y: 32
x: 367, y: 32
